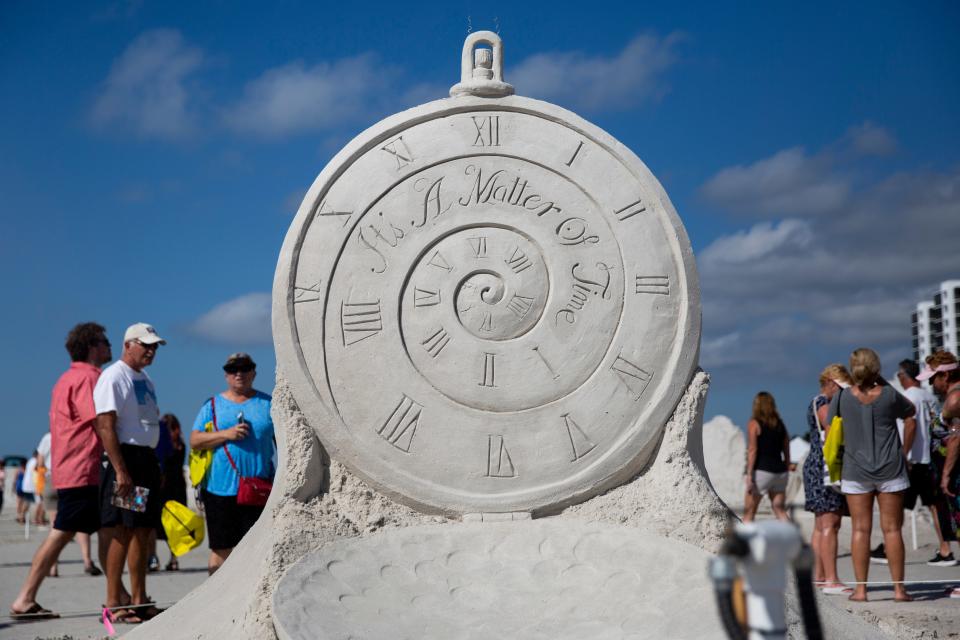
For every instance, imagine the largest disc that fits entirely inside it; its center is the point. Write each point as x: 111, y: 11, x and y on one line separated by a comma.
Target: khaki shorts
x: 764, y: 482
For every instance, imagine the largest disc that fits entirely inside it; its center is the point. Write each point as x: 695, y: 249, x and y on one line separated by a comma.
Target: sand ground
x: 77, y: 596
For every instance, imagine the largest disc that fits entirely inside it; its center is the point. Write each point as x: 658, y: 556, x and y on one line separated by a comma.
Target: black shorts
x: 144, y: 468
x: 227, y: 521
x: 921, y: 485
x: 78, y: 509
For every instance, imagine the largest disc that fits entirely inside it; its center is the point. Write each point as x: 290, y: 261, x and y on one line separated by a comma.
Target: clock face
x: 487, y: 305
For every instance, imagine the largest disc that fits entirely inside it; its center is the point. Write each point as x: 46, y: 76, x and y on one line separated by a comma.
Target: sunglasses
x: 148, y: 347
x: 242, y: 369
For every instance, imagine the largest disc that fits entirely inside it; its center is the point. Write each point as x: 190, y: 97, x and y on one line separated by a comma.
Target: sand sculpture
x: 487, y: 322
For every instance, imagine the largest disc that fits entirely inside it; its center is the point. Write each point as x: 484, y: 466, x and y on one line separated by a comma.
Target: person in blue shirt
x: 242, y: 427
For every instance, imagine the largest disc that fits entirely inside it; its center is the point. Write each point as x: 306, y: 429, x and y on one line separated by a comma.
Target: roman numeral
x: 479, y: 245
x: 400, y: 151
x: 553, y: 372
x: 486, y: 323
x: 306, y: 294
x: 359, y: 321
x: 401, y: 425
x: 435, y: 342
x: 499, y: 463
x: 438, y: 261
x: 489, y: 363
x: 579, y: 442
x: 633, y: 377
x: 659, y: 285
x: 518, y: 260
x: 425, y: 297
x: 520, y: 305
x: 319, y: 211
x: 630, y: 210
x: 488, y: 131
x: 575, y: 153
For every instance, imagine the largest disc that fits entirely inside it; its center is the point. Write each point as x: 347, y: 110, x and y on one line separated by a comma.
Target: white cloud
x: 790, y: 182
x: 295, y: 97
x: 760, y: 240
x: 870, y: 140
x: 146, y: 90
x: 241, y: 321
x: 787, y: 296
x: 578, y: 80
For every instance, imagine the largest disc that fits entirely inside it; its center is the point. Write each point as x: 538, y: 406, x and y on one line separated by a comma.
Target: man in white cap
x: 128, y: 423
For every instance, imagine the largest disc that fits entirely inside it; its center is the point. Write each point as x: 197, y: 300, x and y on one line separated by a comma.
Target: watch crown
x: 481, y: 69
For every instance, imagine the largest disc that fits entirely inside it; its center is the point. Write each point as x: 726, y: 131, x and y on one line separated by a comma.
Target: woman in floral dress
x: 827, y: 505
x: 943, y: 371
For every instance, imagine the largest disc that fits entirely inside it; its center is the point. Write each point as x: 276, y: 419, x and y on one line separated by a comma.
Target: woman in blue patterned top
x: 827, y: 504
x: 241, y: 420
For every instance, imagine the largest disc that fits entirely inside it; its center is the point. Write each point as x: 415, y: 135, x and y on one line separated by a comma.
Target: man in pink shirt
x: 75, y: 451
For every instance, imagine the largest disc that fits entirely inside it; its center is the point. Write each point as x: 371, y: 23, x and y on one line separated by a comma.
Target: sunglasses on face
x: 243, y: 369
x: 148, y: 347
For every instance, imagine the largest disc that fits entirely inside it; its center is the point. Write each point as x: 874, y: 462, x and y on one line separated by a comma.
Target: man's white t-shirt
x: 29, y: 476
x: 44, y: 450
x: 131, y: 394
x: 927, y: 409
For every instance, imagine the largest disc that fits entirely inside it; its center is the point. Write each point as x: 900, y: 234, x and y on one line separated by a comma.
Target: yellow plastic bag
x: 184, y: 527
x: 200, y: 460
x: 833, y: 449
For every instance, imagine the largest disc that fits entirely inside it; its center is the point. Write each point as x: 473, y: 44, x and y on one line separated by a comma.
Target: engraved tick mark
x: 425, y: 297
x: 630, y: 210
x: 520, y: 305
x: 518, y: 260
x: 579, y: 442
x: 499, y: 463
x: 401, y: 425
x: 633, y: 377
x: 359, y: 321
x: 400, y: 151
x: 306, y: 294
x: 575, y: 153
x: 479, y: 246
x: 489, y: 373
x: 438, y: 261
x: 319, y: 211
x: 653, y: 284
x: 556, y: 376
x: 435, y: 342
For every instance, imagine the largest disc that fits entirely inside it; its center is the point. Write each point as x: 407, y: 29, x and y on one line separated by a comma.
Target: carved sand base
x: 317, y: 501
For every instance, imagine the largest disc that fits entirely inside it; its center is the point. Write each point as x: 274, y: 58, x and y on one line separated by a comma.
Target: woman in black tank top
x: 768, y: 459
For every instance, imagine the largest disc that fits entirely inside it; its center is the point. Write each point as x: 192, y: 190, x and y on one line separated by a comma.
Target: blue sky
x: 152, y: 155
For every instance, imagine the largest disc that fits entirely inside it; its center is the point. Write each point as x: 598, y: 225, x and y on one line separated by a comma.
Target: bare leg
x: 751, y: 501
x: 83, y: 539
x: 891, y: 522
x: 104, y: 538
x: 778, y: 499
x: 118, y: 542
x: 45, y: 557
x: 217, y: 558
x: 137, y: 564
x: 816, y: 542
x: 830, y: 527
x: 861, y: 514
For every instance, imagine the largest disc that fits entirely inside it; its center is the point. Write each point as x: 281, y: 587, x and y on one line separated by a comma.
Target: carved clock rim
x: 632, y: 446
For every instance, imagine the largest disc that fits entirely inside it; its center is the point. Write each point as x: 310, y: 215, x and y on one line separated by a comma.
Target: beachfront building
x: 936, y: 323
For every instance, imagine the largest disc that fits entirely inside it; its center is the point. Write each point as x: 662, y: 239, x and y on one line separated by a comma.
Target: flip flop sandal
x: 149, y: 613
x: 36, y: 612
x: 125, y: 616
x: 837, y: 591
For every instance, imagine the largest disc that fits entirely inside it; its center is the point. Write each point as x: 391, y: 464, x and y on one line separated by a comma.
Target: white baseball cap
x: 144, y: 333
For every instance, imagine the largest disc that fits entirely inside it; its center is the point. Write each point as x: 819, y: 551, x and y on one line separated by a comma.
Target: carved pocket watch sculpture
x: 492, y: 304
